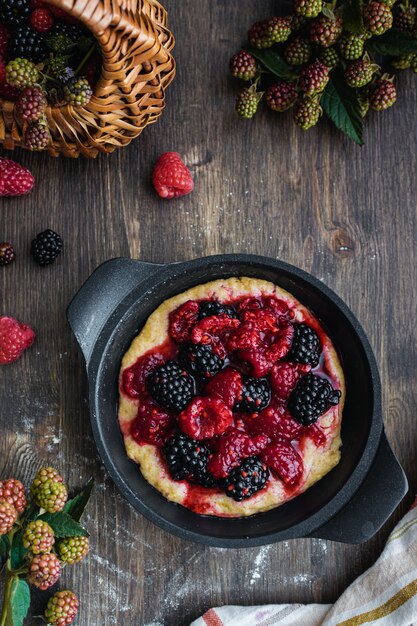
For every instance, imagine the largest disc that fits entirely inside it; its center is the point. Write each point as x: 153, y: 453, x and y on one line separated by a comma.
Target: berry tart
x: 231, y: 398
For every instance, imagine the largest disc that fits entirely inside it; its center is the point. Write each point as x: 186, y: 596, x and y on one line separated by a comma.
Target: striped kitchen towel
x: 385, y: 595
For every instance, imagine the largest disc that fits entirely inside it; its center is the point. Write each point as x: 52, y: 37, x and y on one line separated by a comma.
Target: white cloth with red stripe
x: 385, y: 595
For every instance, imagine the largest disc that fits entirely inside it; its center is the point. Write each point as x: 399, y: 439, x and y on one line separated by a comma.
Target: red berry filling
x: 182, y: 320
x: 134, y: 377
x: 275, y: 422
x: 226, y: 385
x: 284, y: 377
x: 205, y: 418
x: 152, y: 424
x: 284, y: 461
x: 231, y: 448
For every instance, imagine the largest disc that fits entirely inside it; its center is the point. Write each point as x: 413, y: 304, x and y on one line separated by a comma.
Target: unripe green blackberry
x: 243, y: 66
x: 404, y: 62
x: 351, y: 46
x: 298, y: 22
x: 37, y: 136
x: 44, y: 570
x: 38, y: 537
x: 12, y: 489
x: 258, y: 37
x: 405, y: 19
x: 383, y: 95
x: 21, y: 73
x: 329, y: 57
x: 308, y: 8
x: 281, y: 96
x: 359, y: 73
x: 77, y: 91
x: 8, y: 516
x: 41, y: 476
x: 51, y: 496
x: 377, y: 17
x: 278, y: 29
x: 247, y: 101
x: 324, y: 31
x: 313, y: 78
x: 73, y: 549
x: 414, y: 64
x: 62, y: 608
x: 307, y: 113
x: 298, y: 51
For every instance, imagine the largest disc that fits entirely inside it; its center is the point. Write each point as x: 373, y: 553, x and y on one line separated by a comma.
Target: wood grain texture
x: 346, y: 214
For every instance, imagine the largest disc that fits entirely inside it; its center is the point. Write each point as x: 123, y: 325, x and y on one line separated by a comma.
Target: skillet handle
x: 102, y: 292
x: 374, y: 502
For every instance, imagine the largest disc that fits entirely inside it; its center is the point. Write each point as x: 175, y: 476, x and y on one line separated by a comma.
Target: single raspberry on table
x: 62, y: 608
x: 21, y: 73
x: 8, y: 516
x: 205, y: 418
x: 351, y: 46
x: 31, y: 104
x: 15, y: 338
x: 325, y: 31
x: 13, y: 491
x: 42, y: 476
x: 298, y: 51
x: 284, y: 377
x: 226, y: 385
x: 38, y: 537
x: 313, y: 78
x: 312, y: 397
x: 308, y: 8
x: 7, y: 253
x: 275, y: 422
x: 278, y: 29
x: 72, y: 550
x: 281, y: 96
x: 244, y: 66
x: 46, y: 247
x: 152, y: 424
x: 36, y: 136
x: 15, y: 180
x: 231, y: 448
x: 77, y: 91
x: 187, y: 460
x: 44, y: 570
x: 42, y: 20
x: 285, y: 461
x: 51, y: 496
x: 247, y: 102
x: 307, y: 113
x: 329, y: 57
x: 359, y: 73
x: 377, y: 17
x: 246, y: 479
x: 171, y: 386
x: 4, y: 39
x: 171, y: 177
x: 383, y: 95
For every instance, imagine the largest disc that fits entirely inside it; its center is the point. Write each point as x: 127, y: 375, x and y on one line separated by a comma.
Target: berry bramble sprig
x: 336, y: 58
x: 37, y: 540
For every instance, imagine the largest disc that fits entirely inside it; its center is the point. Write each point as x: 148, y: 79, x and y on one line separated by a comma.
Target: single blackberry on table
x: 305, y: 347
x: 77, y: 91
x: 62, y: 608
x: 14, y: 12
x: 312, y: 397
x: 200, y: 360
x: 243, y: 66
x: 383, y: 95
x: 313, y: 78
x: 307, y: 112
x: 247, y: 102
x: 7, y: 253
x: 46, y: 247
x: 246, y: 479
x: 256, y: 394
x: 171, y: 386
x: 214, y: 307
x: 27, y: 43
x: 281, y: 96
x: 187, y: 460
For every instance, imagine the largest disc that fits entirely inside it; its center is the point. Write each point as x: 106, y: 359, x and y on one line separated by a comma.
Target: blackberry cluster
x: 171, y: 386
x: 306, y: 346
x: 46, y: 247
x: 27, y: 43
x: 213, y: 307
x: 187, y: 460
x: 311, y: 398
x: 247, y: 479
x: 14, y: 13
x: 200, y: 361
x: 256, y: 395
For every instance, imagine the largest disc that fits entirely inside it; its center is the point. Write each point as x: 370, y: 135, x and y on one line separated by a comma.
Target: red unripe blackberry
x: 8, y: 516
x: 258, y: 37
x: 62, y: 608
x: 405, y: 19
x: 44, y: 570
x: 313, y: 78
x: 308, y: 8
x: 377, y: 17
x: 359, y: 73
x: 37, y: 136
x: 383, y: 95
x: 298, y: 51
x: 278, y: 29
x: 243, y: 66
x: 38, y: 537
x: 12, y: 489
x: 281, y: 96
x: 307, y: 113
x: 31, y: 104
x: 7, y: 256
x: 324, y: 31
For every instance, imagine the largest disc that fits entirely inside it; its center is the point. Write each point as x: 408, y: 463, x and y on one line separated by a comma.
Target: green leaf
x: 393, y: 43
x: 327, y: 11
x: 274, y: 63
x: 353, y: 17
x: 4, y: 549
x: 341, y: 105
x: 75, y: 507
x: 63, y: 525
x: 18, y: 603
x: 18, y: 552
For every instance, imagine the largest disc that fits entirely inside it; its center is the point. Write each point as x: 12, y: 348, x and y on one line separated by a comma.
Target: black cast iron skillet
x: 349, y: 504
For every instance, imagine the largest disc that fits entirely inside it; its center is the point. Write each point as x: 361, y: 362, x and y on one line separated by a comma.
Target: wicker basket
x: 137, y: 67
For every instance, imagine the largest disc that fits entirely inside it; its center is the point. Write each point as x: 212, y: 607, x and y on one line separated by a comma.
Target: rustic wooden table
x: 346, y: 214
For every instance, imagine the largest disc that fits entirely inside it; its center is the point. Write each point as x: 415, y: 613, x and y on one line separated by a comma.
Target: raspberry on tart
x: 231, y: 398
